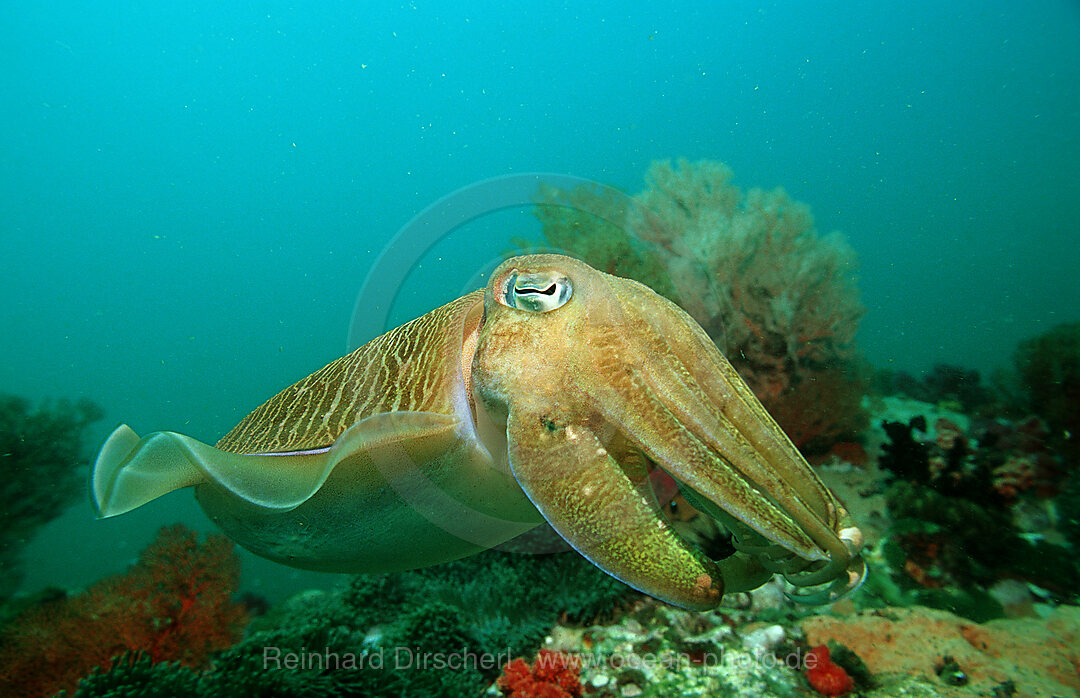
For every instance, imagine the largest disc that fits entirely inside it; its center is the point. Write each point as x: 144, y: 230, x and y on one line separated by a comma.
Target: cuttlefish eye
x: 539, y: 292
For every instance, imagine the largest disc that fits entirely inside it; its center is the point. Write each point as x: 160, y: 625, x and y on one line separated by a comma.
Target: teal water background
x: 192, y: 193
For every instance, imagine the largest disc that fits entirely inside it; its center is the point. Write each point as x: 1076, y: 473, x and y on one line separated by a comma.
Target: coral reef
x: 960, y: 517
x: 658, y: 651
x: 945, y: 384
x: 174, y: 604
x: 776, y: 297
x: 134, y: 674
x: 954, y: 504
x: 1037, y: 657
x: 41, y: 449
x: 1048, y: 367
x: 445, y: 630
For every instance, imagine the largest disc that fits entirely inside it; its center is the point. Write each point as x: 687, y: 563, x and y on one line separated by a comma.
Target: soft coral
x: 827, y: 678
x: 174, y: 603
x: 552, y: 675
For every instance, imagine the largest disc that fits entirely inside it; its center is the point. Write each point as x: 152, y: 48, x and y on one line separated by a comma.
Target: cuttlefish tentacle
x: 733, y: 499
x: 566, y: 472
x: 681, y: 452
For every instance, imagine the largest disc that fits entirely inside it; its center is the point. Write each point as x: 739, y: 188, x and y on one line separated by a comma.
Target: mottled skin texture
x: 551, y: 395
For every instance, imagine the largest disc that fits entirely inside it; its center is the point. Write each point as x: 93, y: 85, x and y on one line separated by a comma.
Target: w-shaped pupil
x: 549, y: 291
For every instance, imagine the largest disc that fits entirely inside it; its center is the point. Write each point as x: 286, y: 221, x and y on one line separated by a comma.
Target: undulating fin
x: 130, y: 471
x: 126, y: 473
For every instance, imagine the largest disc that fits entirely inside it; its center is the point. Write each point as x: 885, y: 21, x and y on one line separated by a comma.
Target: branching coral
x: 41, y: 450
x: 175, y: 603
x: 777, y: 298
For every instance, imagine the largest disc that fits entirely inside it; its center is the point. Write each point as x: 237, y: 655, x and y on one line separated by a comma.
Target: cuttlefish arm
x: 594, y: 373
x: 689, y: 411
x: 596, y: 507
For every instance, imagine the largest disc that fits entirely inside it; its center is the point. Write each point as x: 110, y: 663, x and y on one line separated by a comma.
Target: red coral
x: 827, y: 678
x: 174, y: 603
x: 1015, y: 475
x: 552, y: 675
x: 818, y: 409
x: 850, y: 452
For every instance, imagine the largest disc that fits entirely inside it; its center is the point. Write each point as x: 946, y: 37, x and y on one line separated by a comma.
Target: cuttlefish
x: 551, y: 395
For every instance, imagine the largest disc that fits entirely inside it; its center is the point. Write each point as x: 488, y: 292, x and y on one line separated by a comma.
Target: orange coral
x: 552, y: 675
x: 1017, y: 474
x: 1039, y: 655
x: 174, y: 603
